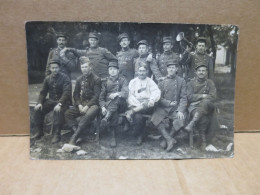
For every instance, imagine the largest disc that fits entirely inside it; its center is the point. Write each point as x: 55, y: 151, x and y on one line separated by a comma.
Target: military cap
x: 202, y: 39
x: 113, y: 64
x: 200, y: 64
x: 61, y: 34
x: 123, y: 35
x: 167, y: 40
x: 93, y: 35
x: 84, y: 60
x: 172, y: 62
x: 54, y: 61
x: 142, y: 42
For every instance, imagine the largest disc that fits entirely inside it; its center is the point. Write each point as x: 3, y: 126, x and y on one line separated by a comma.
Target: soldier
x: 190, y: 60
x: 113, y: 94
x: 86, y: 94
x: 201, y: 94
x: 126, y: 57
x: 166, y: 56
x: 145, y: 59
x: 143, y: 94
x: 99, y: 57
x: 172, y: 105
x: 58, y: 86
x: 68, y: 62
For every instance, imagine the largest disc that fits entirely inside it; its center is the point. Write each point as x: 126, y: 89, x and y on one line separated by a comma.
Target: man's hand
x: 63, y: 52
x: 161, y: 78
x: 38, y: 107
x: 80, y: 109
x: 57, y: 108
x: 104, y: 111
x: 149, y: 58
x: 173, y: 103
x: 180, y: 115
x: 205, y: 96
x: 113, y: 95
x: 150, y: 104
x: 85, y: 109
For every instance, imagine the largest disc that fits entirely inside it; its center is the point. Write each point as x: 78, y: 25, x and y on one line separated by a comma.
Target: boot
x: 75, y: 137
x: 139, y: 140
x: 195, y: 118
x: 203, y: 141
x: 113, y: 140
x: 38, y: 134
x: 129, y: 115
x: 163, y: 144
x: 56, y: 134
x: 169, y: 140
x: 104, y: 121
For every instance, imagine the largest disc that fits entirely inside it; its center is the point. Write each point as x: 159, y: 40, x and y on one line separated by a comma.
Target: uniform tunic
x: 173, y: 89
x: 68, y: 62
x: 99, y: 57
x: 126, y: 63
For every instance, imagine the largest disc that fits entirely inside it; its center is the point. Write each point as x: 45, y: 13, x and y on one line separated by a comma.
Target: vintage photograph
x: 117, y: 90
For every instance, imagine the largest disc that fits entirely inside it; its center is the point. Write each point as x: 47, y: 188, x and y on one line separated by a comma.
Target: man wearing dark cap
x: 58, y: 86
x: 126, y: 57
x: 190, y: 60
x: 86, y: 93
x: 166, y: 56
x: 68, y: 62
x: 99, y: 57
x: 145, y: 59
x: 113, y: 94
x: 201, y: 94
x: 171, y: 106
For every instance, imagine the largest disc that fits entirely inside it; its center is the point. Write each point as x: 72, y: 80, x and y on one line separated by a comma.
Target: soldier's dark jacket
x: 126, y: 63
x: 196, y: 88
x: 152, y: 66
x: 87, y: 90
x: 68, y: 62
x: 58, y: 87
x: 110, y: 86
x: 172, y: 89
x: 190, y: 60
x: 99, y: 57
x: 162, y: 60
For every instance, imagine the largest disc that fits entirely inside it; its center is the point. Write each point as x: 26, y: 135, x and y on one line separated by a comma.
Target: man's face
x: 167, y: 46
x: 93, y: 42
x: 85, y: 68
x: 143, y: 49
x: 62, y: 42
x: 124, y: 43
x: 202, y: 72
x: 142, y: 72
x: 113, y: 71
x: 172, y: 69
x: 54, y: 68
x: 201, y: 47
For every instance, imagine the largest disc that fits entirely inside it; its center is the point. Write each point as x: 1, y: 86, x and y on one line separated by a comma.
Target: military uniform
x: 59, y: 89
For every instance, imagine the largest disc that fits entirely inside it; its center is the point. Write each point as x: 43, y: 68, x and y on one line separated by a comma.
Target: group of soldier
x: 175, y: 92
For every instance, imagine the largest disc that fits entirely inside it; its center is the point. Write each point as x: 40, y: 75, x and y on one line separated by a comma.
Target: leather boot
x: 195, y: 118
x: 38, y: 134
x: 163, y: 144
x: 113, y: 140
x: 104, y: 121
x: 169, y: 140
x: 56, y: 134
x: 74, y: 137
x: 203, y: 141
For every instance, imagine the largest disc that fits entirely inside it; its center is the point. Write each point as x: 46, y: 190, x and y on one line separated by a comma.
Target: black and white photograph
x: 120, y: 90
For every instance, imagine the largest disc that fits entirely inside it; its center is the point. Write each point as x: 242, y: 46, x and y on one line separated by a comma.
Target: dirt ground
x: 150, y: 149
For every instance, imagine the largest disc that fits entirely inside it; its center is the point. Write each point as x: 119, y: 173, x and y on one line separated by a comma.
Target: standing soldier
x: 172, y: 105
x: 201, y: 93
x: 68, y: 63
x: 86, y: 93
x: 126, y: 57
x: 143, y: 94
x: 145, y: 59
x: 113, y: 94
x: 200, y: 56
x: 58, y: 86
x: 166, y: 56
x: 99, y: 57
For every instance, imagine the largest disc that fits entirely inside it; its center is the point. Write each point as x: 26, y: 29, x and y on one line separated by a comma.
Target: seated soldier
x: 143, y: 94
x: 86, y: 93
x: 58, y: 86
x: 201, y: 94
x: 172, y: 104
x: 114, y: 91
